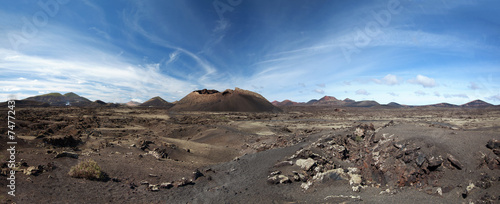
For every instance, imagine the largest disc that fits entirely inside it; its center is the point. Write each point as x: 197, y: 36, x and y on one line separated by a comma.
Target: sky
x: 413, y: 52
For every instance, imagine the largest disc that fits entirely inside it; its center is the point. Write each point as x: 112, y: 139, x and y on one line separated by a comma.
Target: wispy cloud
x: 393, y: 94
x: 362, y: 92
x: 455, y: 96
x: 494, y: 97
x: 473, y: 86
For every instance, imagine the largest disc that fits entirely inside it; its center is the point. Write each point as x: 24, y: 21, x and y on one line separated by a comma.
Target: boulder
x: 305, y: 164
x: 493, y: 144
x: 454, y: 162
x: 153, y: 188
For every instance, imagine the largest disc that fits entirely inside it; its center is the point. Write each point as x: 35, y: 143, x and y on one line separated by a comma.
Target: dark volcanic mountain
x: 477, y: 103
x: 443, y: 105
x: 238, y: 100
x: 156, y: 102
x: 394, y: 105
x: 363, y: 104
x: 57, y: 99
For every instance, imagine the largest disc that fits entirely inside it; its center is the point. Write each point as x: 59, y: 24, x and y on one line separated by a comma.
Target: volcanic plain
x: 291, y: 154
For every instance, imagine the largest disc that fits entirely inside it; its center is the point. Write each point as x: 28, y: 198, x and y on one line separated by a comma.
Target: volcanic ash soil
x: 303, y: 154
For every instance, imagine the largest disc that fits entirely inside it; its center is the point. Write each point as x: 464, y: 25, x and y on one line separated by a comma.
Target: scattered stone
x: 305, y: 164
x: 468, y: 190
x: 420, y: 159
x: 33, y: 170
x: 153, y: 175
x: 153, y: 188
x: 144, y: 144
x: 485, y: 181
x: 306, y: 185
x: 434, y: 162
x: 144, y: 183
x: 274, y: 173
x: 284, y: 179
x: 167, y: 185
x: 493, y: 144
x: 184, y: 182
x: 133, y: 186
x: 67, y: 154
x: 278, y: 179
x: 487, y: 198
x: 298, y: 176
x: 455, y: 162
x: 197, y: 174
x: 388, y: 192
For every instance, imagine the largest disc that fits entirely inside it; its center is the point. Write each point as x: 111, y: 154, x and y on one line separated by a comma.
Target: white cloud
x: 109, y: 81
x: 362, y: 92
x: 388, y: 80
x: 426, y: 82
x: 393, y: 94
x: 420, y: 93
x: 322, y: 85
x: 437, y: 94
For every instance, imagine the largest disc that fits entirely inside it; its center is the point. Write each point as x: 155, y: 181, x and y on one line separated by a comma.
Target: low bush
x: 88, y: 169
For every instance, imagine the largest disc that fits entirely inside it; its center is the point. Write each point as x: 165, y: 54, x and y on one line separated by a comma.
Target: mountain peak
x: 328, y: 98
x: 477, y: 103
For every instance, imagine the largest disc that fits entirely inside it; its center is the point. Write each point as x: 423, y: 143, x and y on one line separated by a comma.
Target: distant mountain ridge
x: 72, y: 99
x: 332, y: 101
x: 57, y: 99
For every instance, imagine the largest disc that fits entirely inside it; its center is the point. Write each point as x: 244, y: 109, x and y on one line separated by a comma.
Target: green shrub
x: 88, y: 169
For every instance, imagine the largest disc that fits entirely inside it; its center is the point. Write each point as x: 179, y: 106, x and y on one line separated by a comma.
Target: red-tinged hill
x: 237, y: 100
x: 157, y: 102
x: 132, y: 103
x: 477, y: 104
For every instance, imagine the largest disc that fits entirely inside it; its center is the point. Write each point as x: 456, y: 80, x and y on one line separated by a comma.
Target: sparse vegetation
x: 88, y: 169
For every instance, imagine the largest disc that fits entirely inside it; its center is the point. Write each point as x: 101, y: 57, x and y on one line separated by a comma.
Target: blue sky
x: 408, y: 51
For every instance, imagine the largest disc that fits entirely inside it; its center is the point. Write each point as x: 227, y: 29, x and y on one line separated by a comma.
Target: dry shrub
x: 88, y: 169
